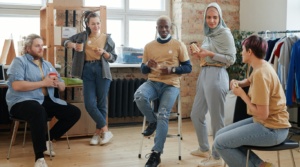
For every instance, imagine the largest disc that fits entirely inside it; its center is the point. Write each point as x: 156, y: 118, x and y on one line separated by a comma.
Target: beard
x: 36, y: 54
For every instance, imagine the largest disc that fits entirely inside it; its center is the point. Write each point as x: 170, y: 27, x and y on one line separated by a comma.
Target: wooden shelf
x: 73, y: 86
x: 4, y: 86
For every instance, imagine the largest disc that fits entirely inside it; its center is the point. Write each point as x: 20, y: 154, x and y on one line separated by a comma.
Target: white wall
x: 261, y: 15
x: 293, y: 15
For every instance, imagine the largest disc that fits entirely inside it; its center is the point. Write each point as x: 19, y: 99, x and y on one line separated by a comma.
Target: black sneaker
x: 154, y: 160
x: 150, y: 129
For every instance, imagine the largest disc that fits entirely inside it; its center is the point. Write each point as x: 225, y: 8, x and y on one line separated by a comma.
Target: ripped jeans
x: 167, y: 95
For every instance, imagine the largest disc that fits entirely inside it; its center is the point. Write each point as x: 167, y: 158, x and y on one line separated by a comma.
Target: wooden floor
x: 122, y: 151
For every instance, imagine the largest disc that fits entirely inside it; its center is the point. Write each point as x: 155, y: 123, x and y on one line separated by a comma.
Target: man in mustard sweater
x: 164, y: 60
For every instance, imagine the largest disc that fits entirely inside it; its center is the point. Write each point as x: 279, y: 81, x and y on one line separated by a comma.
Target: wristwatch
x: 103, y: 52
x: 173, y: 69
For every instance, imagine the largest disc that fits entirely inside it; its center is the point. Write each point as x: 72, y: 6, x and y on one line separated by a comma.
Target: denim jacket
x: 79, y: 57
x: 24, y: 69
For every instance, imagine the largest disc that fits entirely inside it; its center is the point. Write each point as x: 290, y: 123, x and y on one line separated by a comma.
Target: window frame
x: 23, y: 4
x: 142, y: 18
x: 135, y: 15
x: 123, y: 29
x: 21, y: 10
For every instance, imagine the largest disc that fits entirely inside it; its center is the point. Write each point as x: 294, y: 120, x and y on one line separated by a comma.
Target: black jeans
x: 37, y: 115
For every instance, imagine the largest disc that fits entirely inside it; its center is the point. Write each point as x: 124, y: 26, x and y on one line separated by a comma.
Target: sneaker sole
x: 93, y: 144
x: 210, y: 166
x: 199, y: 155
x: 150, y: 135
x: 107, y: 141
x: 53, y: 155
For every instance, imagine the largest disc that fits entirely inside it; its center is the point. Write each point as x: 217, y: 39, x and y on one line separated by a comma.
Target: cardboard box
x: 85, y: 126
x: 62, y: 33
x: 68, y: 2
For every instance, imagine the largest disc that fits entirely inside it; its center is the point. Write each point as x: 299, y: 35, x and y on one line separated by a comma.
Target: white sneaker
x: 200, y: 153
x: 47, y: 152
x: 210, y: 161
x: 106, y: 137
x: 40, y: 163
x: 95, y: 140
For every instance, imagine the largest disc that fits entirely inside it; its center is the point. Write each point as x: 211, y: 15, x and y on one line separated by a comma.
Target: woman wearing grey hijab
x: 218, y: 51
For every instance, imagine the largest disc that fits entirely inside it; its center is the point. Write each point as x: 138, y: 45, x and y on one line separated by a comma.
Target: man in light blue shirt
x: 30, y: 97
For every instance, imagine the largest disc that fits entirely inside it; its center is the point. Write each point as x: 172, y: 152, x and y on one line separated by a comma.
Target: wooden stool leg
x: 25, y: 134
x: 294, y: 165
x: 11, y: 140
x: 247, y: 157
x: 15, y: 132
x: 278, y: 158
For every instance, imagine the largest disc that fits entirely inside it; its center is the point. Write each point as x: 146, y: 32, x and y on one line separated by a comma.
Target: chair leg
x: 179, y: 129
x: 142, y: 137
x: 25, y: 134
x: 49, y: 141
x: 179, y: 133
x: 294, y: 165
x: 247, y: 157
x: 179, y: 111
x: 68, y: 140
x: 278, y: 158
x: 12, y: 138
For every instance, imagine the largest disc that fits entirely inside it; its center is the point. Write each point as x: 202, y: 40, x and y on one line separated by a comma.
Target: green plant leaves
x: 237, y: 70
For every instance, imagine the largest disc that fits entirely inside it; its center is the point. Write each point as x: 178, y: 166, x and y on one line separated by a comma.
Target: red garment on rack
x: 277, y: 51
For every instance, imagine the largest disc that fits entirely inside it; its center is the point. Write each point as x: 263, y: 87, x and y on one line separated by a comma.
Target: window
x: 12, y: 28
x: 114, y: 27
x: 22, y: 2
x: 132, y: 22
x: 155, y: 5
x: 110, y: 4
x: 141, y: 32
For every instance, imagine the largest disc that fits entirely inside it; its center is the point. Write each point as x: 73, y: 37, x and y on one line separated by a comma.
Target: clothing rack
x: 272, y: 32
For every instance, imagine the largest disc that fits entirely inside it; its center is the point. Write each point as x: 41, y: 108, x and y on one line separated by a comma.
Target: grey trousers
x: 212, y: 87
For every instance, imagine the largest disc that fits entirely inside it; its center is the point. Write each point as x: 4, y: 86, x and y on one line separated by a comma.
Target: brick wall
x: 189, y: 17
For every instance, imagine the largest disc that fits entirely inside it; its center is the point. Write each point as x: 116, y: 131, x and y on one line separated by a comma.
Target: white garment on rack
x: 285, y: 58
x: 273, y: 51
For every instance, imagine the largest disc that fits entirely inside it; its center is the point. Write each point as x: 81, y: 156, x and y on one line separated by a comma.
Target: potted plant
x: 238, y: 70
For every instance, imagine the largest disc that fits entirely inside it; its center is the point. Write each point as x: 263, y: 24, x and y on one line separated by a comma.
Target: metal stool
x: 286, y: 145
x: 179, y: 135
x: 20, y: 120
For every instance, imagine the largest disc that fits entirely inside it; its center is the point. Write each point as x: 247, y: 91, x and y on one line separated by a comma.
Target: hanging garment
x: 285, y: 58
x: 271, y: 60
x: 294, y: 68
x: 271, y: 44
x: 277, y: 54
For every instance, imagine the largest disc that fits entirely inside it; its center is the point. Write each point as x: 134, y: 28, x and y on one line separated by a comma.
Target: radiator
x: 121, y: 96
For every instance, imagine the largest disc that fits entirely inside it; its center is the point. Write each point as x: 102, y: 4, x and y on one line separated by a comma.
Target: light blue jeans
x: 167, y: 95
x: 230, y: 139
x: 95, y: 91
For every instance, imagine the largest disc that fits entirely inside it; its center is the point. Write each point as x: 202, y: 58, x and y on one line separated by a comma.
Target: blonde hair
x: 163, y: 17
x: 28, y: 42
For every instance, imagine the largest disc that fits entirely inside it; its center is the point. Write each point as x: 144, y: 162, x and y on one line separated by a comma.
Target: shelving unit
x: 47, y: 25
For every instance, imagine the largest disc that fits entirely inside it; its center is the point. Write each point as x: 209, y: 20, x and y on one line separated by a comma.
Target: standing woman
x: 218, y: 50
x: 93, y: 51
